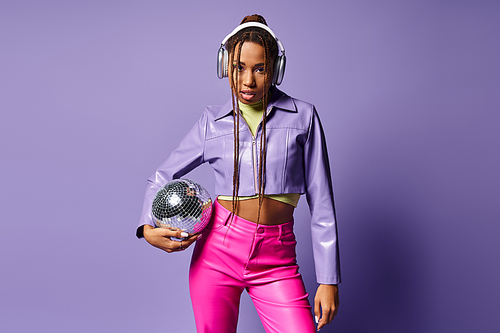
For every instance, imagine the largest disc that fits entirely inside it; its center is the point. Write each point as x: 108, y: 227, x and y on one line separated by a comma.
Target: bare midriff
x: 273, y: 212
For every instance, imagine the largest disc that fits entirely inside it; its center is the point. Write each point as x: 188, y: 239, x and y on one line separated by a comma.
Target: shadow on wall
x: 381, y: 270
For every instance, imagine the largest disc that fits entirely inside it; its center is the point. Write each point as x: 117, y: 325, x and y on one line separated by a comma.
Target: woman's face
x: 251, y: 85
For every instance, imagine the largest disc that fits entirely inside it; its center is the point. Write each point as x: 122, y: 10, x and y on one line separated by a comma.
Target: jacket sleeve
x: 319, y: 195
x: 187, y: 156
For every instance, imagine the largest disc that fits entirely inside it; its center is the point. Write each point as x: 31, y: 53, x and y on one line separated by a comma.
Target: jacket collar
x: 280, y: 100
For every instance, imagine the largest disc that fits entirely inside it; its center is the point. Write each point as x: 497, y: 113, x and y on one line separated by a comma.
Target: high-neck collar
x: 279, y: 100
x: 255, y: 107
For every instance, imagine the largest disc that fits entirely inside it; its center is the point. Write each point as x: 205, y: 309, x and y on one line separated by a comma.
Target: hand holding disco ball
x: 182, y: 204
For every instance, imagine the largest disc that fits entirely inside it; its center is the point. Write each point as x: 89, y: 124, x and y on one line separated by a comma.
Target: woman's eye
x: 240, y: 68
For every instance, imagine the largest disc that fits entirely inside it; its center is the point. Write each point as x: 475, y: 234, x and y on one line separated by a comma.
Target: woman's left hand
x: 326, y: 304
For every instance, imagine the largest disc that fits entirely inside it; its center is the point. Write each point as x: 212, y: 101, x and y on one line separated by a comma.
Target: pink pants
x: 228, y: 259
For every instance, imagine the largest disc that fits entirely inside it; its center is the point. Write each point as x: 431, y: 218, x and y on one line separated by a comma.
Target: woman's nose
x: 248, y: 78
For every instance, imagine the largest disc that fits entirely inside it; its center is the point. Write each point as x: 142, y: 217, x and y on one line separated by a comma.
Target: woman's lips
x: 247, y: 94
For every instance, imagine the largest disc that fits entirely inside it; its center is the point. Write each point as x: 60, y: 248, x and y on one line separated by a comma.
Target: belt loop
x: 280, y: 227
x: 230, y: 215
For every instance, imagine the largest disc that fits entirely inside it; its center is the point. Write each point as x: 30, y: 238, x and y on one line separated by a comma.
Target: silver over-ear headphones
x: 223, y: 56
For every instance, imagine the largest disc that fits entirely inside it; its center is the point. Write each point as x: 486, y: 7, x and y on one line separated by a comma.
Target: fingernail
x: 184, y: 234
x: 316, y: 319
x: 199, y: 237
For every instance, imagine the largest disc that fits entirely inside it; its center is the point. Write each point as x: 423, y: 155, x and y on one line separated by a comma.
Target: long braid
x: 236, y: 115
x: 263, y: 144
x: 236, y: 123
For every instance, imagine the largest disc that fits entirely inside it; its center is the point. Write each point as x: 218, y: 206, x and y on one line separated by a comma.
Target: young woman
x: 266, y: 149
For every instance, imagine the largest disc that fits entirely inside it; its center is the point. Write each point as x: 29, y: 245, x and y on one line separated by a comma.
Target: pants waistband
x: 221, y: 215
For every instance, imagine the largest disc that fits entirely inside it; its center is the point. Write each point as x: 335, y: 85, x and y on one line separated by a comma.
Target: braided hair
x: 234, y: 45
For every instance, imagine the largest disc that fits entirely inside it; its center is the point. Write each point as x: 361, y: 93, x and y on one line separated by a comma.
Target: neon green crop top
x: 288, y: 198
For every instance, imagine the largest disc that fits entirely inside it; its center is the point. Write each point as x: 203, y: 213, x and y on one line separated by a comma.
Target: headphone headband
x: 257, y: 25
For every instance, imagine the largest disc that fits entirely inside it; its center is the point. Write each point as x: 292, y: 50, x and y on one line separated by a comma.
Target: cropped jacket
x: 296, y: 162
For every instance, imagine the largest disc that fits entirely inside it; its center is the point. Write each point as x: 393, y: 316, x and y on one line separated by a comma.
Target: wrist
x: 146, y: 230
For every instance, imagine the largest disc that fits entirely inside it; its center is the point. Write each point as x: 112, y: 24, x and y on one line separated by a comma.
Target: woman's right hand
x: 160, y: 238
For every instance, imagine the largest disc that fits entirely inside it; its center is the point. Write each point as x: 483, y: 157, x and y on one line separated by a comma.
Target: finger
x: 327, y: 316
x: 171, y: 232
x: 322, y: 321
x: 190, y: 240
x: 317, y: 312
x: 330, y: 316
x: 165, y: 232
x: 320, y: 324
x: 194, y: 236
x: 182, y: 234
x: 323, y: 318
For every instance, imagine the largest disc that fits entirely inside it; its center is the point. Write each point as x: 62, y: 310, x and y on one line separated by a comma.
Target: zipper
x: 254, y: 152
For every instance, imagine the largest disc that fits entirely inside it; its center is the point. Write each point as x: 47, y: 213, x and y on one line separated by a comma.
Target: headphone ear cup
x: 279, y: 70
x: 276, y: 70
x: 222, y: 57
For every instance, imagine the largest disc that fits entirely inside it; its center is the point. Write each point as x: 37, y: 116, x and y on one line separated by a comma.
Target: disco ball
x: 183, y: 204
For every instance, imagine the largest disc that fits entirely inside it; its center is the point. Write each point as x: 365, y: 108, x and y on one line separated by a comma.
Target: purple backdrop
x: 95, y: 94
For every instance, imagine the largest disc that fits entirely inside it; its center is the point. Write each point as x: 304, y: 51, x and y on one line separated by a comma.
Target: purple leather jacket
x: 296, y: 162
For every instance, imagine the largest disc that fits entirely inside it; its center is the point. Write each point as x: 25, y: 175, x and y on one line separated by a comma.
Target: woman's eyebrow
x: 256, y: 65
